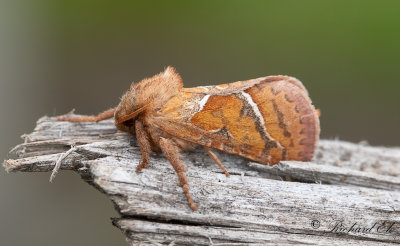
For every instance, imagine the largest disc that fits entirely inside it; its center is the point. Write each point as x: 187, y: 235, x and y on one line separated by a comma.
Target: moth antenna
x: 102, y: 116
x: 131, y: 115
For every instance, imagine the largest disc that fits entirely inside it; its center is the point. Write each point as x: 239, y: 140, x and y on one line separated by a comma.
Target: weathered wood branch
x: 348, y: 195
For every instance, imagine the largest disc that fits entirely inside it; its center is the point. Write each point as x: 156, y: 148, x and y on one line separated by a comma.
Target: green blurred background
x: 59, y: 55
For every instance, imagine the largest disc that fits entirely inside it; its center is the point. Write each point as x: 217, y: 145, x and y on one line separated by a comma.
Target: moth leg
x: 171, y: 151
x: 102, y: 116
x: 215, y: 158
x: 144, y: 144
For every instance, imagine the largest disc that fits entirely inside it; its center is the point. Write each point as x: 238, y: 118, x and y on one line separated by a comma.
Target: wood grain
x: 293, y: 203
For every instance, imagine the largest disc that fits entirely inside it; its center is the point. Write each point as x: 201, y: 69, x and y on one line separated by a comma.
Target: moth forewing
x: 269, y: 121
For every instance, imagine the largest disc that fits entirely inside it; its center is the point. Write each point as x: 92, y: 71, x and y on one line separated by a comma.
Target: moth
x: 265, y: 120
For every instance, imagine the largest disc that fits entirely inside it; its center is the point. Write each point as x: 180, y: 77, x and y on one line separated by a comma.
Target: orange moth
x: 265, y: 120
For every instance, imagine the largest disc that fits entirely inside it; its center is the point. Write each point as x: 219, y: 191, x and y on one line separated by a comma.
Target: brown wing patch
x: 224, y: 112
x: 289, y: 117
x: 197, y: 135
x: 212, y: 121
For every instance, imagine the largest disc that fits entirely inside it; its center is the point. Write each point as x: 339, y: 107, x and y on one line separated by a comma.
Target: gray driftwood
x: 349, y: 194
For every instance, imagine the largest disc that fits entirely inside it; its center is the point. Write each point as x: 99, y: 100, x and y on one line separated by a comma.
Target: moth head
x: 147, y: 95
